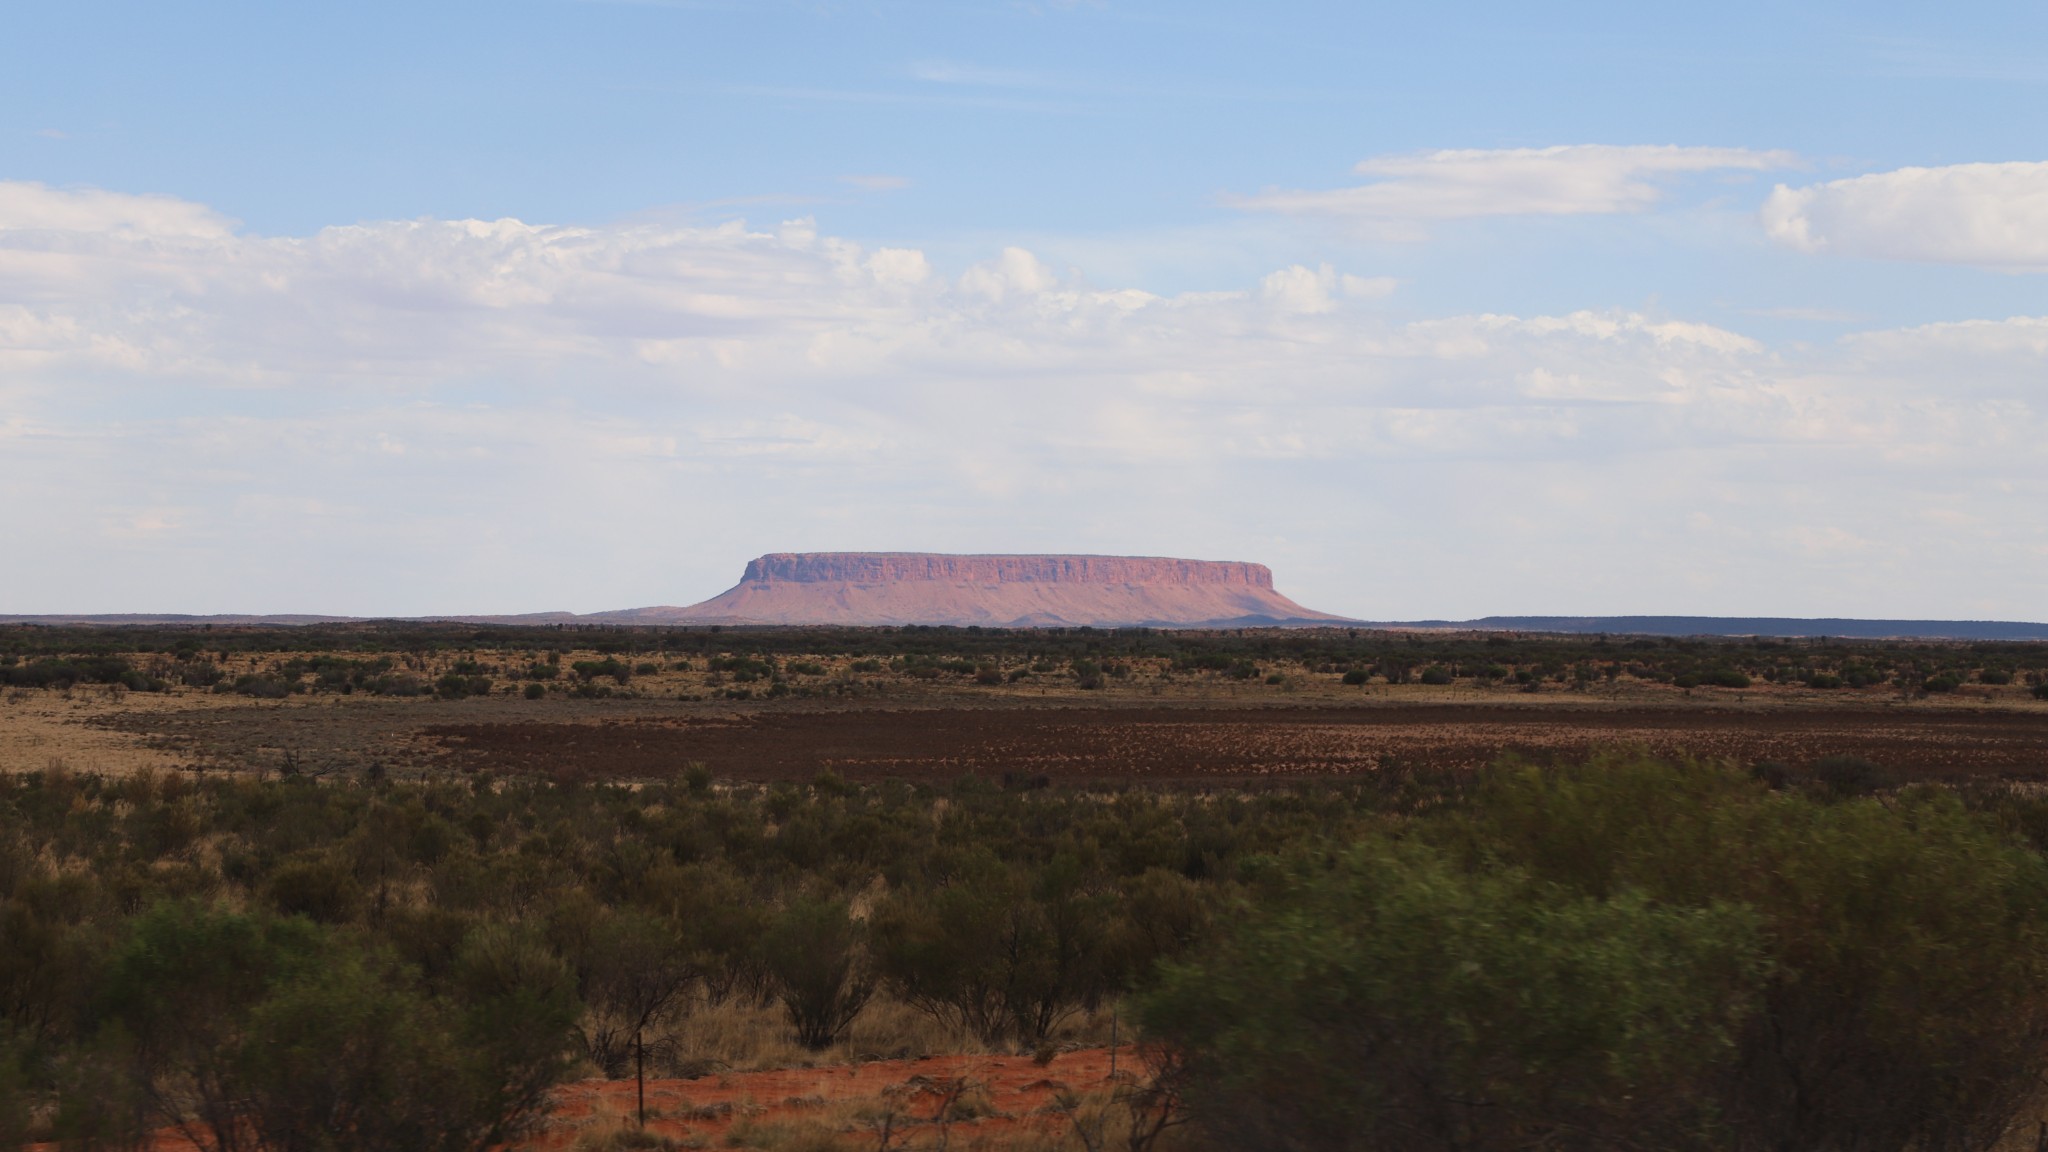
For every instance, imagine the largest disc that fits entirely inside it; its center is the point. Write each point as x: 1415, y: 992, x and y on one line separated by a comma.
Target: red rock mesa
x: 862, y: 588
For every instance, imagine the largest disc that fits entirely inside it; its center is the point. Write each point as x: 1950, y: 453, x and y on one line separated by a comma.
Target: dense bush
x: 1670, y: 953
x: 1398, y: 1001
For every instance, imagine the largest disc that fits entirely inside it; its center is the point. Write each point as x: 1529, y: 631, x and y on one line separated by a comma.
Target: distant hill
x: 868, y: 588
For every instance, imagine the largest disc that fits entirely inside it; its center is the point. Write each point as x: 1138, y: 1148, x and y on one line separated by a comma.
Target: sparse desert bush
x: 1437, y: 674
x: 1900, y: 935
x: 456, y: 686
x: 589, y: 670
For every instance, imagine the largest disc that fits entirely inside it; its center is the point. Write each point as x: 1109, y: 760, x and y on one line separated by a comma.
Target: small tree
x: 814, y: 958
x: 640, y: 969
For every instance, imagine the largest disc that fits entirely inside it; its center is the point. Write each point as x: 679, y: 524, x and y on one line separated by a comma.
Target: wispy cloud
x: 1989, y: 215
x: 875, y: 96
x: 877, y: 183
x: 1558, y: 181
x: 951, y: 72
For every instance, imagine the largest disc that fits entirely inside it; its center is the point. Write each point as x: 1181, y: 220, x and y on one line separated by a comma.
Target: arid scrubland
x: 811, y: 891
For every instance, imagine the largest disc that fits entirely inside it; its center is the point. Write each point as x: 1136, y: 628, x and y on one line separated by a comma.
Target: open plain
x: 1141, y: 707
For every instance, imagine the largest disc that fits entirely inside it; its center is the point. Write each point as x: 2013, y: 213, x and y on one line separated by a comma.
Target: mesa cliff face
x: 868, y: 588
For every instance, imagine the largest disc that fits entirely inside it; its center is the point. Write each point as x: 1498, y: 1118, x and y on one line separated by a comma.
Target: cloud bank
x: 436, y: 415
x: 1990, y: 215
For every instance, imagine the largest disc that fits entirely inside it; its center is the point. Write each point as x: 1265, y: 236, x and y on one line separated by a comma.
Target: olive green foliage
x: 1634, y: 954
x: 1397, y: 1001
x: 456, y: 944
x: 253, y: 1032
x: 811, y: 954
x: 1626, y: 954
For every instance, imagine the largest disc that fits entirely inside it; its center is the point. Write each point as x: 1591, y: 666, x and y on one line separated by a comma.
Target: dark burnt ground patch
x: 1193, y: 744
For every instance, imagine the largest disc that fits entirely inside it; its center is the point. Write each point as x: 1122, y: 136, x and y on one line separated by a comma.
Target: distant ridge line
x: 1773, y: 627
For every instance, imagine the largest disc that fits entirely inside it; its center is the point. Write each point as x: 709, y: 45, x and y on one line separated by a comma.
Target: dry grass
x: 43, y: 729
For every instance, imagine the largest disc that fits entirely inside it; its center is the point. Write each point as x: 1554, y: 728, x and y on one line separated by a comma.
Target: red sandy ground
x: 1013, y: 1093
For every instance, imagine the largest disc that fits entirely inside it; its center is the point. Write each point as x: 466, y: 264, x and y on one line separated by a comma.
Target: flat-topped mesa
x: 895, y: 567
x: 893, y: 588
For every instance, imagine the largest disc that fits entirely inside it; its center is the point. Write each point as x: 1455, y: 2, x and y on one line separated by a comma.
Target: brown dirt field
x: 1195, y: 744
x: 1149, y: 726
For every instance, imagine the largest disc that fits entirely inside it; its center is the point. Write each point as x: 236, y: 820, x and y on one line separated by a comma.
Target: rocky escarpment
x: 869, y: 588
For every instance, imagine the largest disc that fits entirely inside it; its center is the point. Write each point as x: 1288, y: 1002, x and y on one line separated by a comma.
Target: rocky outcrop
x: 867, y: 588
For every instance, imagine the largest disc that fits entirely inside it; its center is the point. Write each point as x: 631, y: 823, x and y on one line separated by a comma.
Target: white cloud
x: 877, y: 183
x: 1564, y: 180
x: 38, y: 208
x: 437, y: 415
x: 1992, y: 215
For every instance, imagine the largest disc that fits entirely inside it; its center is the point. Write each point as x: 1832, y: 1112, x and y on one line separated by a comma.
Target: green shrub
x: 1772, y: 971
x: 1357, y: 676
x: 316, y: 887
x: 1942, y: 682
x: 1907, y: 1000
x: 271, y: 1034
x: 590, y: 670
x: 814, y: 959
x: 1398, y: 1001
x: 456, y: 686
x: 1437, y: 674
x: 536, y: 691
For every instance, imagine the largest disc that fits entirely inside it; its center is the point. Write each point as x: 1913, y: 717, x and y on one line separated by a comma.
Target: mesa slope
x: 898, y: 588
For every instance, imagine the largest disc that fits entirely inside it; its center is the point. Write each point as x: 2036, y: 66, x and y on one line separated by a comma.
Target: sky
x: 1440, y: 311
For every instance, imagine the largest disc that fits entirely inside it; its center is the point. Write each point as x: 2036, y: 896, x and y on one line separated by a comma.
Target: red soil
x: 1010, y: 1093
x: 1005, y: 1096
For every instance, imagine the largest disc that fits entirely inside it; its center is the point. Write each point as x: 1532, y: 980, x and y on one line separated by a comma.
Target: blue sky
x: 1439, y: 310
